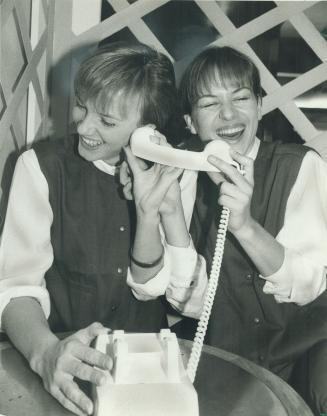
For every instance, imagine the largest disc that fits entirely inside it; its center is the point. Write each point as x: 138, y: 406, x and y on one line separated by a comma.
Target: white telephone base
x: 148, y: 377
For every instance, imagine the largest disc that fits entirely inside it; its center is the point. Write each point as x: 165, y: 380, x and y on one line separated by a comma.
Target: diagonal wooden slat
x: 23, y: 84
x: 7, y: 7
x: 255, y: 27
x: 296, y: 87
x: 300, y: 123
x: 24, y: 29
x: 311, y: 35
x: 118, y: 21
x: 140, y: 29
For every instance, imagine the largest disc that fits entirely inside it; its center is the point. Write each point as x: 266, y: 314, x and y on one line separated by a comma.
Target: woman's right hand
x: 63, y: 360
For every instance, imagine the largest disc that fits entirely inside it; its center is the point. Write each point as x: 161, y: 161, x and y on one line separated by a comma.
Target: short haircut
x: 130, y: 69
x: 217, y: 66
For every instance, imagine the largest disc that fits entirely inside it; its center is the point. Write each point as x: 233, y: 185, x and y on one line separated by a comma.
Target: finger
x: 228, y: 170
x: 127, y: 190
x: 83, y: 371
x: 233, y: 191
x: 67, y: 403
x: 132, y: 160
x: 87, y: 335
x: 216, y: 177
x: 73, y: 397
x: 245, y: 162
x: 124, y: 173
x: 228, y: 202
x: 135, y: 163
x: 92, y: 356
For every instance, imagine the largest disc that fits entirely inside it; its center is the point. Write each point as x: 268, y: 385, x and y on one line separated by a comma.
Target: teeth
x: 91, y: 143
x: 229, y: 131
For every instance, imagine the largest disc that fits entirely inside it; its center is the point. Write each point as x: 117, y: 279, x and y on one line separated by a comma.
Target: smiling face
x: 226, y: 112
x: 103, y: 134
x: 220, y: 94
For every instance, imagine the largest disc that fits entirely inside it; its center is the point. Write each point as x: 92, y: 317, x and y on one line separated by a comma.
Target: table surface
x: 226, y: 384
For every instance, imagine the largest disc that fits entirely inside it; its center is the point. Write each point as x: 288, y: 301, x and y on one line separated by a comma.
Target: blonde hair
x: 130, y: 69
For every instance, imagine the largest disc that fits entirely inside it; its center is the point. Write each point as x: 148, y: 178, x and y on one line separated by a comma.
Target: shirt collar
x: 104, y: 167
x: 254, y: 149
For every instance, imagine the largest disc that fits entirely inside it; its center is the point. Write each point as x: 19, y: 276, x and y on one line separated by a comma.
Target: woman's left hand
x: 236, y: 189
x: 155, y: 190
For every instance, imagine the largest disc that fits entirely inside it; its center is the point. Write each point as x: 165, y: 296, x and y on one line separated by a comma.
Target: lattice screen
x: 66, y: 29
x: 134, y: 16
x: 26, y: 40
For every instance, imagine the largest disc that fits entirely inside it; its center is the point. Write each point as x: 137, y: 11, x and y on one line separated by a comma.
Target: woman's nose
x: 227, y: 111
x: 86, y: 125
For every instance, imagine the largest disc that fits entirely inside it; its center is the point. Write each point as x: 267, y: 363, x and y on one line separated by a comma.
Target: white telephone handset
x: 144, y: 148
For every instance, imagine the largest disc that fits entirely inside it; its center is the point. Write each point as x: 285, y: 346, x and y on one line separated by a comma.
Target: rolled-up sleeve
x: 183, y: 277
x: 25, y: 248
x: 302, y: 276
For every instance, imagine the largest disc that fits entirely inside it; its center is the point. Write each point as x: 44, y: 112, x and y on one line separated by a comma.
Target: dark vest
x: 91, y: 236
x: 244, y: 320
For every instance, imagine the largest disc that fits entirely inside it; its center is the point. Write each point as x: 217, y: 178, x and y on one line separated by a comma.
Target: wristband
x: 147, y: 265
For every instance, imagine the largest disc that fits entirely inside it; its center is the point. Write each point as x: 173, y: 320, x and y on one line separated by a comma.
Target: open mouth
x: 230, y: 132
x: 90, y: 143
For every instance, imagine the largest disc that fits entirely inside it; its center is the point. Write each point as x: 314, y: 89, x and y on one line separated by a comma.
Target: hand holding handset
x: 144, y: 148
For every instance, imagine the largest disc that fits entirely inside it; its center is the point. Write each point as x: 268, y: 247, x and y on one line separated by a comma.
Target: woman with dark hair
x: 271, y: 302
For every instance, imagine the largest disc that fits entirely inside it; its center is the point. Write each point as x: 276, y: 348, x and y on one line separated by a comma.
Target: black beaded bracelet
x: 147, y: 265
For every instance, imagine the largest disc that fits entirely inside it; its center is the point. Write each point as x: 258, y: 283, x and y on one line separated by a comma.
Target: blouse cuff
x: 183, y: 264
x: 37, y: 292
x: 178, y: 269
x: 299, y: 280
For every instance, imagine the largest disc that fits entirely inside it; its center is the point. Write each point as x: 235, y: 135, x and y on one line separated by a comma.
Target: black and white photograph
x: 163, y: 208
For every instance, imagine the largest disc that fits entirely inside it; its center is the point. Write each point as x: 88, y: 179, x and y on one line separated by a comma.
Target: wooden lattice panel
x: 134, y: 16
x: 23, y: 70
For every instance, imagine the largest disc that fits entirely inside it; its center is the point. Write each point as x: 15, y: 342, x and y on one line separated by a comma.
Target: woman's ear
x: 259, y: 108
x: 189, y: 123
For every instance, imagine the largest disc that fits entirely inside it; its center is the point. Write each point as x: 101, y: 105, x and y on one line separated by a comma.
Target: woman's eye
x: 107, y: 123
x: 208, y: 105
x: 245, y: 98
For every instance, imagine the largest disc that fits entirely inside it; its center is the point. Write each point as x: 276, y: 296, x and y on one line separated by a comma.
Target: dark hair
x: 129, y: 69
x: 220, y: 66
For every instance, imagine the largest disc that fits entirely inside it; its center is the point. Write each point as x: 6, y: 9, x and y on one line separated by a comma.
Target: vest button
x: 248, y: 276
x: 261, y: 357
x: 256, y: 320
x: 114, y: 308
x: 119, y: 270
x: 121, y: 228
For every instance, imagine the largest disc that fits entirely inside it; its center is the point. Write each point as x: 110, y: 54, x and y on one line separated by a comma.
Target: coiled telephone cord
x: 198, y: 341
